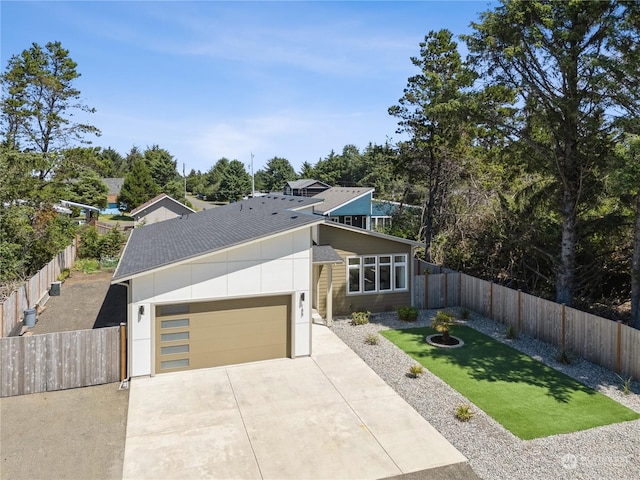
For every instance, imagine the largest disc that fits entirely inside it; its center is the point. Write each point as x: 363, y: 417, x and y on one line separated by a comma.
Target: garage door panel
x: 227, y: 332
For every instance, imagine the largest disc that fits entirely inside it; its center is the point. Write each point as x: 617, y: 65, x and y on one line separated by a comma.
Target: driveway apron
x: 328, y: 416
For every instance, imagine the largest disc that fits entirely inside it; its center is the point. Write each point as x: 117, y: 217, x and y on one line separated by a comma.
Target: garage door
x: 225, y: 332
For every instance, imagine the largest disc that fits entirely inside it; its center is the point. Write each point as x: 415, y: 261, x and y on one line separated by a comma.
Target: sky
x: 213, y: 79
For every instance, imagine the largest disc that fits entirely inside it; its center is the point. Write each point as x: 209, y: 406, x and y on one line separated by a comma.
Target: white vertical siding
x: 273, y: 266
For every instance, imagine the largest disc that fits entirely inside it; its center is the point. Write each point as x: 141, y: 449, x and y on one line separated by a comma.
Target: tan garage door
x: 225, y: 332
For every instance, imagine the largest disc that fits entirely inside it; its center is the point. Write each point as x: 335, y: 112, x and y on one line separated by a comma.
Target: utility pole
x: 184, y: 176
x: 253, y: 183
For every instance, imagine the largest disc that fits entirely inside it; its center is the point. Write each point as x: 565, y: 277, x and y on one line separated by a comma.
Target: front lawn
x: 525, y: 396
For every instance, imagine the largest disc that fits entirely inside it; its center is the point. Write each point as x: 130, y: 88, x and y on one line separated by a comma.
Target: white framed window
x: 377, y: 273
x: 400, y: 270
x: 370, y: 277
x: 354, y: 274
x: 348, y: 220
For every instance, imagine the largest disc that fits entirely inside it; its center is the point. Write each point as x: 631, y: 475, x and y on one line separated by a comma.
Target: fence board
x: 57, y: 361
x: 418, y: 292
x: 630, y: 352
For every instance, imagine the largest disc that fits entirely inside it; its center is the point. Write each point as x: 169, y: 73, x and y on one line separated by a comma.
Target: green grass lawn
x: 525, y: 396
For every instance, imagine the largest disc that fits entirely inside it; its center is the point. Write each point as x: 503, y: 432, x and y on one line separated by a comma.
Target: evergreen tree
x: 236, y: 182
x: 138, y: 187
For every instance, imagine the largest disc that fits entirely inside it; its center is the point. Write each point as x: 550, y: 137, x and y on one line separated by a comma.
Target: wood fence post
x: 123, y: 352
x: 426, y: 291
x: 446, y: 290
x: 491, y: 300
x: 618, y: 348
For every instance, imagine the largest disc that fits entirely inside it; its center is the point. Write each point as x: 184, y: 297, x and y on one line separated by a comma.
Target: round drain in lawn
x: 438, y: 340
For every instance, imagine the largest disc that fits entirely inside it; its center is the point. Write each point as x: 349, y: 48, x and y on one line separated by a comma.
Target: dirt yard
x: 87, y: 300
x: 69, y: 434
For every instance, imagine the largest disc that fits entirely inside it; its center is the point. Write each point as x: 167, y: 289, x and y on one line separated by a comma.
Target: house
x: 305, y: 187
x: 159, y: 208
x: 114, y: 186
x: 382, y: 212
x: 347, y: 205
x: 237, y: 283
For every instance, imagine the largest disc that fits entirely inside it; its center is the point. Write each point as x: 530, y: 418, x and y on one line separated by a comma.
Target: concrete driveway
x: 319, y: 417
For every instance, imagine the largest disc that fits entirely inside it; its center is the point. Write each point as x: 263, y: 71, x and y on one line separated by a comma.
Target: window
x: 377, y: 273
x: 384, y: 267
x: 354, y: 274
x: 370, y: 274
x: 347, y: 220
x: 400, y: 266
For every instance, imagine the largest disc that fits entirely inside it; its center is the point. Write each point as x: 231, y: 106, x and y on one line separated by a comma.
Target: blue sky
x: 209, y: 79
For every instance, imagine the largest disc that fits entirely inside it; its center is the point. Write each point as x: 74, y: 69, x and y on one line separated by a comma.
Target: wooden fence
x: 33, y: 290
x: 599, y: 340
x: 58, y: 361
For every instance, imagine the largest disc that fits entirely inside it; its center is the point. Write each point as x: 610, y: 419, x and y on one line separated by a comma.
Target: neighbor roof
x: 156, y: 199
x: 304, y: 183
x: 114, y: 185
x: 196, y: 234
x: 336, y: 197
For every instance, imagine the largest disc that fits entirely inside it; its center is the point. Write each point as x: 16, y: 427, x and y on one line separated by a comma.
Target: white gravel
x: 609, y: 452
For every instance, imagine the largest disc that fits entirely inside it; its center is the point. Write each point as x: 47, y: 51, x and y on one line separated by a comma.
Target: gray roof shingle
x: 337, y: 196
x: 200, y: 233
x: 325, y: 254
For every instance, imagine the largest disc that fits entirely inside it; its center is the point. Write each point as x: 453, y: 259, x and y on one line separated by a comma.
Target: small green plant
x: 372, y: 339
x: 442, y: 323
x: 511, y: 333
x: 408, y: 314
x: 564, y: 357
x: 360, y: 318
x: 464, y: 315
x: 464, y: 412
x: 64, y: 274
x: 87, y: 265
x: 416, y: 370
x: 626, y: 384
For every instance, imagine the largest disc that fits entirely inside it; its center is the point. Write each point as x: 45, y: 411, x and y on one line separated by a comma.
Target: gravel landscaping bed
x: 608, y: 452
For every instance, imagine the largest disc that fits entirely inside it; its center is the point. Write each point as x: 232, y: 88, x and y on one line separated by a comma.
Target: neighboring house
x: 382, y: 212
x: 114, y: 185
x: 159, y: 208
x: 238, y: 283
x: 305, y: 187
x: 347, y: 205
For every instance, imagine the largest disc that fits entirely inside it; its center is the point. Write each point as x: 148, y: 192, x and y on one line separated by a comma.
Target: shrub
x: 442, y: 323
x: 64, y: 274
x: 87, y: 265
x: 89, y: 243
x: 464, y: 412
x: 416, y: 370
x: 111, y: 243
x: 464, y: 315
x: 360, y: 318
x: 408, y: 314
x: 511, y: 333
x: 372, y: 339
